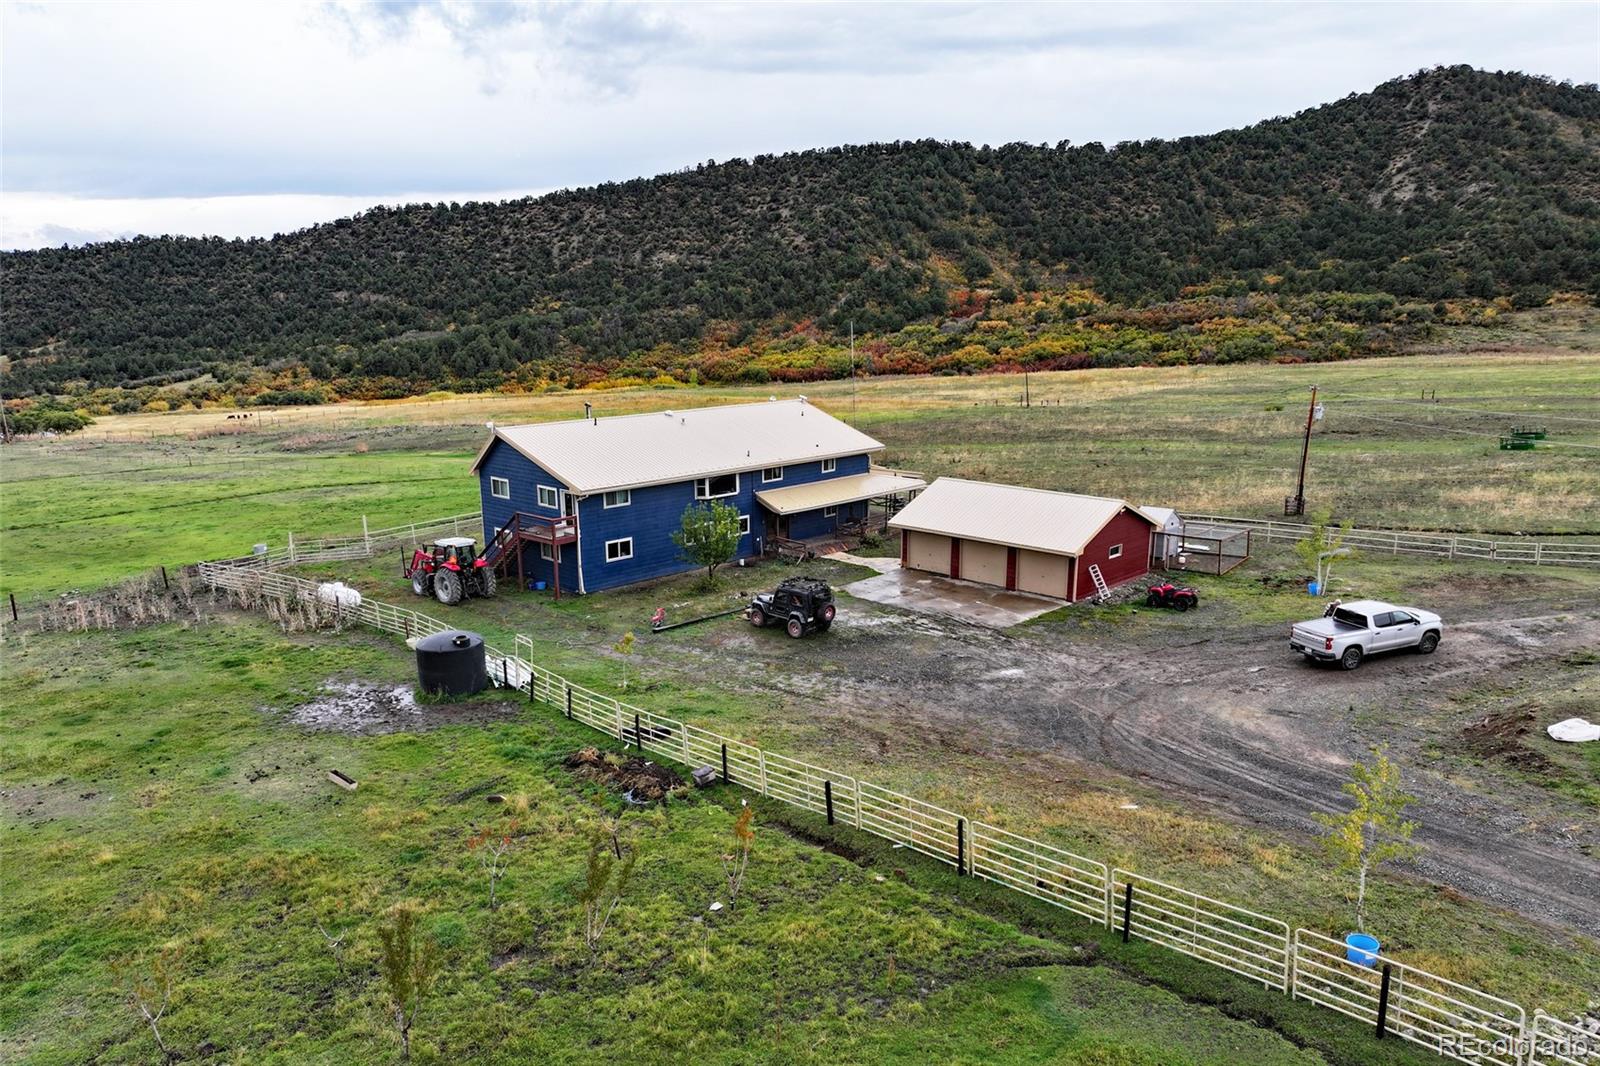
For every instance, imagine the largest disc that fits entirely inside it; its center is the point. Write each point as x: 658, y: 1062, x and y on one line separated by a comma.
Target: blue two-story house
x: 596, y: 500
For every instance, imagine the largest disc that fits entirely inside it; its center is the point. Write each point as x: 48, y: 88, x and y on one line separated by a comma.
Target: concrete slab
x: 882, y: 564
x: 984, y: 605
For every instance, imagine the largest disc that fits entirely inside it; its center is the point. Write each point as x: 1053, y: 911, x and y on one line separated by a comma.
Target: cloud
x: 601, y: 45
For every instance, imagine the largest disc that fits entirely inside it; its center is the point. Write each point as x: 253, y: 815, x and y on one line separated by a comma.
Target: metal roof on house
x: 1059, y: 522
x: 632, y: 451
x: 838, y: 490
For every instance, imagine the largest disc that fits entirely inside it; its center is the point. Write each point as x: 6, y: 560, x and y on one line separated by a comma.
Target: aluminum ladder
x: 1100, y: 587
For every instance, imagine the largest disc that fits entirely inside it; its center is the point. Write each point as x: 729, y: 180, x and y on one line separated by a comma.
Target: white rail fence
x: 1553, y: 1042
x: 1435, y: 545
x: 1454, y: 1020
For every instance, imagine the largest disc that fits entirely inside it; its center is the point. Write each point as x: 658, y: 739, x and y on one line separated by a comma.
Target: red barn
x: 1031, y: 540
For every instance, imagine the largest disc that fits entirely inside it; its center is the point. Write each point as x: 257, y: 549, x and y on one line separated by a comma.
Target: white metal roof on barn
x: 1059, y: 522
x: 662, y: 447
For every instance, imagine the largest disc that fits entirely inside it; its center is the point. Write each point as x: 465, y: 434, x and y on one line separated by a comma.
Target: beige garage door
x: 983, y: 562
x: 1043, y: 573
x: 928, y: 551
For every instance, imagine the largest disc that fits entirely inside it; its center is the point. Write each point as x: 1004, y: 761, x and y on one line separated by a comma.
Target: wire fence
x: 1433, y: 545
x: 1452, y: 1019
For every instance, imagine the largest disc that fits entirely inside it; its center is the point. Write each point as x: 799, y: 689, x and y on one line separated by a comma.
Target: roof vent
x: 667, y: 413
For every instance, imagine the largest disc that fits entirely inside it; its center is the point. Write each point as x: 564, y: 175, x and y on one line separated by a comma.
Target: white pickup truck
x: 1352, y: 631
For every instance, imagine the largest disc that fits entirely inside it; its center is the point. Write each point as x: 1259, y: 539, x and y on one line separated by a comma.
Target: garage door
x: 928, y: 551
x: 984, y: 562
x: 1043, y: 573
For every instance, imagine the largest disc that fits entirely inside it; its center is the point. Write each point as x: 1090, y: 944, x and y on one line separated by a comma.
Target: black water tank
x: 452, y: 663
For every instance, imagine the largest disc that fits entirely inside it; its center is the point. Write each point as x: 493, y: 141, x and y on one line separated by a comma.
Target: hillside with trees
x: 1338, y: 231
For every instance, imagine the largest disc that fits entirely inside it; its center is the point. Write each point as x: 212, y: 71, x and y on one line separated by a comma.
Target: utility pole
x: 1297, y: 505
x: 853, y: 412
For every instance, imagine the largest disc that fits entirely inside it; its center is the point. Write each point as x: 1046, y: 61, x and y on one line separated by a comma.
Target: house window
x: 620, y: 498
x: 1114, y: 552
x: 712, y: 488
x: 772, y: 473
x: 744, y: 525
x: 550, y: 496
x: 830, y: 512
x: 547, y: 552
x: 618, y: 550
x: 500, y: 488
x: 829, y: 465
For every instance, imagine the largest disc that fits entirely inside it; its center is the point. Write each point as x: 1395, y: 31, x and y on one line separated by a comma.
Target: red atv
x: 452, y: 570
x: 1166, y: 594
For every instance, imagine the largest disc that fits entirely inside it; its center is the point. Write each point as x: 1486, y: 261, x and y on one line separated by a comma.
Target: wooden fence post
x: 726, y: 780
x: 827, y: 799
x: 638, y: 733
x: 165, y: 584
x: 1127, y: 910
x: 961, y: 845
x: 569, y: 702
x: 13, y: 596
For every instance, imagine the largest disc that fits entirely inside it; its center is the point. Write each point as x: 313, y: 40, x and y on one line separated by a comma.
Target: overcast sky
x: 240, y: 118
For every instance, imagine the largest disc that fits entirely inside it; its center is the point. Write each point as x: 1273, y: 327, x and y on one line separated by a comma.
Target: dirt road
x: 1234, y: 720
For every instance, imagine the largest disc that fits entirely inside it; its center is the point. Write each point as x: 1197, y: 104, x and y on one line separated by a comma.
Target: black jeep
x: 800, y: 604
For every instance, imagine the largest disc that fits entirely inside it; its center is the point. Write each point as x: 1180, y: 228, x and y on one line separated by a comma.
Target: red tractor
x: 451, y: 569
x: 1166, y: 594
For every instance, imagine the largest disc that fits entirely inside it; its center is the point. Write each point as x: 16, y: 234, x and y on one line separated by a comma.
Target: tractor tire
x: 447, y: 587
x: 1152, y: 600
x: 490, y: 584
x: 421, y: 584
x: 796, y: 628
x: 758, y: 617
x: 1182, y: 603
x: 1428, y: 644
x: 1352, y: 657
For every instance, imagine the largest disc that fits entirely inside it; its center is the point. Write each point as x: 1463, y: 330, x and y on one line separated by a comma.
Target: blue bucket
x: 537, y: 586
x: 1361, y: 949
x: 1313, y: 588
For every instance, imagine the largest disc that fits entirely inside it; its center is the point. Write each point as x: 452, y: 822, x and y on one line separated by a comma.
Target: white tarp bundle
x: 338, y: 594
x: 1575, y: 730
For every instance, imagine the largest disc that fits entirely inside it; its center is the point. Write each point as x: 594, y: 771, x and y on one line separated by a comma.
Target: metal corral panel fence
x: 811, y: 787
x: 907, y: 820
x: 1250, y: 944
x: 1435, y: 545
x: 1041, y: 871
x: 1449, y: 1018
x: 1553, y: 1042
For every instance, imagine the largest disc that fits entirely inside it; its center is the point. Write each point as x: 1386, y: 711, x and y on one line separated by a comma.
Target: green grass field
x: 156, y: 797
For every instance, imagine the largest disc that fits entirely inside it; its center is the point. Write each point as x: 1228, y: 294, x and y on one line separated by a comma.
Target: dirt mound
x: 1499, y: 736
x: 638, y: 779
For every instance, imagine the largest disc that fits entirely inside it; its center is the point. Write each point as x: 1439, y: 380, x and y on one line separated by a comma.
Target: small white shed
x: 1167, y: 542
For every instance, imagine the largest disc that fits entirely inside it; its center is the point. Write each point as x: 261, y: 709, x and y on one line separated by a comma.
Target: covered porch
x: 818, y: 516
